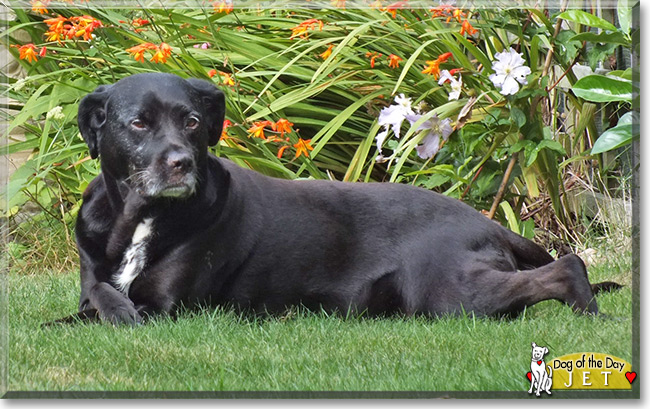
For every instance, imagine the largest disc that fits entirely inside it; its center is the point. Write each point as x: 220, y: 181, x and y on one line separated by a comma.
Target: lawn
x: 301, y: 351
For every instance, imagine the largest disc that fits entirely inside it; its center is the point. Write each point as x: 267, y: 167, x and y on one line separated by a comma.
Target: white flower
x: 456, y: 84
x: 509, y: 72
x: 55, y: 113
x: 431, y: 142
x: 392, y: 117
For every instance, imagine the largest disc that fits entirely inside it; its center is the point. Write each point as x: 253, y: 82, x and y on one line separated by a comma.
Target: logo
x: 578, y: 371
x: 539, y: 378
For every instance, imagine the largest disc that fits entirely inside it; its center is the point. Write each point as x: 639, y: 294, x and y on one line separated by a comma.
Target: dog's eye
x: 138, y: 124
x: 192, y: 122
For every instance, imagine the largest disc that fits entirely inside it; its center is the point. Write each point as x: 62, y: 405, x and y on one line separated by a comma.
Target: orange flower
x: 393, y: 61
x: 441, y: 11
x: 160, y: 53
x: 212, y: 73
x: 392, y: 8
x: 466, y: 27
x: 139, y: 22
x: 166, y: 51
x: 433, y: 67
x: 84, y: 26
x: 303, y: 147
x: 223, y: 6
x: 257, y: 130
x: 444, y: 57
x: 227, y: 79
x: 29, y: 52
x: 281, y: 151
x: 226, y: 124
x: 40, y: 6
x: 373, y: 56
x: 325, y: 54
x: 457, y: 14
x: 301, y: 30
x: 283, y: 126
x: 138, y: 51
x: 55, y: 24
x: 56, y: 28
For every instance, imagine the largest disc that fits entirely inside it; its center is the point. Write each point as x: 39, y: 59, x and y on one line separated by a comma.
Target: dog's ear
x: 214, y: 103
x: 545, y: 350
x: 92, y: 116
x: 534, y: 345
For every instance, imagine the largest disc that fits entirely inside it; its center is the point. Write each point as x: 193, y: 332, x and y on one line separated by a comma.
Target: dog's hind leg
x: 505, y: 293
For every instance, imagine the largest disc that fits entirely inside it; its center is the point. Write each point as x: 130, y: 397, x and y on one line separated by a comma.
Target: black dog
x: 166, y: 224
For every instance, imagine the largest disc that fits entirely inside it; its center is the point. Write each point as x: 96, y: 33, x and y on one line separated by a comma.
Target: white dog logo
x: 538, y: 375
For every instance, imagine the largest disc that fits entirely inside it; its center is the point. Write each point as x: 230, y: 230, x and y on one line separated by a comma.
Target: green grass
x: 301, y: 351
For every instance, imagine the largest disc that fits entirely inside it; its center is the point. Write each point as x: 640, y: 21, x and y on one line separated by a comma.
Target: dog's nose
x: 180, y: 161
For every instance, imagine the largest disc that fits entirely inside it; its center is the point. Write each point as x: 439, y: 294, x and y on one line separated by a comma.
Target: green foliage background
x: 335, y: 102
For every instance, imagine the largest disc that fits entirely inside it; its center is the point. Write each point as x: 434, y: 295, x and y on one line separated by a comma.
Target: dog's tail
x: 550, y: 371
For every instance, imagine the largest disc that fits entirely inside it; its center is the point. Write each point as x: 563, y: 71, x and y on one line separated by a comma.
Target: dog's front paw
x: 121, y: 314
x: 113, y: 306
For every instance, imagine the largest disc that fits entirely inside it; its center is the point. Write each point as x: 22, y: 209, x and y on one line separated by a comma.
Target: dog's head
x: 152, y: 131
x: 539, y: 352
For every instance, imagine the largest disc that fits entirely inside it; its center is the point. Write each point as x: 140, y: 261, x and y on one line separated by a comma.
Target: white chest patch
x: 135, y: 256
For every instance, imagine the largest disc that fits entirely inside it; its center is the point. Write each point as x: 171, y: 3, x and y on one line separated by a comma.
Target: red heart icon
x: 529, y: 375
x: 631, y: 376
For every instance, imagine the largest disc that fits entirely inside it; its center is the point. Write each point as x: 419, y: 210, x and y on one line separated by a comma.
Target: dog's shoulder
x: 96, y: 186
x: 95, y: 214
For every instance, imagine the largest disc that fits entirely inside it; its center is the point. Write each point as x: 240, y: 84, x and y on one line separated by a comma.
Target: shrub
x: 474, y: 103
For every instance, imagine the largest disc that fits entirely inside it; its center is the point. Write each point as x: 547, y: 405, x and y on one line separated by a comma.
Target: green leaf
x: 624, y: 11
x: 408, y: 64
x: 532, y: 151
x: 511, y: 218
x: 622, y: 134
x: 613, y: 138
x: 581, y: 17
x: 606, y: 38
x: 569, y: 46
x: 518, y: 117
x: 599, y: 53
x: 599, y: 88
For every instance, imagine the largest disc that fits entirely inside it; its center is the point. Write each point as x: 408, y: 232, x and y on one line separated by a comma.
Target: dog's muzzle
x: 172, y: 176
